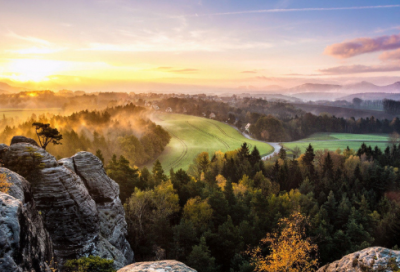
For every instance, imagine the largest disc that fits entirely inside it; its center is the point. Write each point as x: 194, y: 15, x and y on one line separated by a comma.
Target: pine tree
x: 99, y: 155
x: 243, y: 153
x: 331, y: 206
x: 255, y: 156
x: 282, y: 154
x: 158, y: 173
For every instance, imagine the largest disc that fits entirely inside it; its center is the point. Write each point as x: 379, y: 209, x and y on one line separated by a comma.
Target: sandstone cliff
x: 25, y: 244
x: 77, y: 202
x: 369, y: 259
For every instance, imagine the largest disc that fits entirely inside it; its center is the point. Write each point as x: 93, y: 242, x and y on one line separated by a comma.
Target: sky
x: 127, y: 45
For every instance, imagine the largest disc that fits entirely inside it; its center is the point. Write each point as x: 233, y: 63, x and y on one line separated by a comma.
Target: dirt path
x: 277, y: 147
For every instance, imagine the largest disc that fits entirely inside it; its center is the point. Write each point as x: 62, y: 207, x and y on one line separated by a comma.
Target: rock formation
x: 369, y: 259
x: 78, y: 203
x: 165, y: 266
x: 25, y: 244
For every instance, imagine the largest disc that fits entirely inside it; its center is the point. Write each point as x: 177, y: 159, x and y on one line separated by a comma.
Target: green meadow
x: 192, y: 135
x: 333, y: 141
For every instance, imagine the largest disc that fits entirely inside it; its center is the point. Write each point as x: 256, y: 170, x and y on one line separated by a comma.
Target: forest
x: 213, y: 216
x: 278, y: 121
x: 122, y: 130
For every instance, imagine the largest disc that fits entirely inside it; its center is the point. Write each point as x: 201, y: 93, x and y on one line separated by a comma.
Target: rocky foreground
x: 159, y: 266
x: 58, y: 210
x: 369, y: 259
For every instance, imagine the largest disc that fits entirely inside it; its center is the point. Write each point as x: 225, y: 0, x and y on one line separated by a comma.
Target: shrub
x: 89, y: 264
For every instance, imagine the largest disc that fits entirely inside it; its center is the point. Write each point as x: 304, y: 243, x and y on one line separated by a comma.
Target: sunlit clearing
x: 33, y: 69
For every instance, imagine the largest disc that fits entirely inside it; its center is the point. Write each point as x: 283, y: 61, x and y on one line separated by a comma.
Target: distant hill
x: 371, y: 96
x: 6, y: 88
x: 314, y: 87
x: 395, y: 87
x: 314, y: 96
x: 363, y: 86
x: 368, y: 91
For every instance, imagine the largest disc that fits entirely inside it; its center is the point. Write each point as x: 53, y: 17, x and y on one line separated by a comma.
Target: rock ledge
x: 159, y: 266
x: 369, y: 259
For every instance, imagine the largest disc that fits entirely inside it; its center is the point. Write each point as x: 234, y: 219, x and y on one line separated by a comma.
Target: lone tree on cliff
x: 47, y: 134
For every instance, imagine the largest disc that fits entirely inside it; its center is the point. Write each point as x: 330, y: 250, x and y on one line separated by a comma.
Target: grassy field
x: 192, y: 135
x: 23, y: 114
x: 333, y: 141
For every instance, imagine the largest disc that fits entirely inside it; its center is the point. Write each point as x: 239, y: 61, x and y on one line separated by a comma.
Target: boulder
x: 164, y: 266
x: 25, y: 244
x: 369, y: 259
x: 23, y: 139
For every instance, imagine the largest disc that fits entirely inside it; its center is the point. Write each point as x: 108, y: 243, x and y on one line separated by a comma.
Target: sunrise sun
x: 35, y: 70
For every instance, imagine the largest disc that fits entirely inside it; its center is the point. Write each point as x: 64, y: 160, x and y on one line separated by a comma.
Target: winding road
x: 277, y: 147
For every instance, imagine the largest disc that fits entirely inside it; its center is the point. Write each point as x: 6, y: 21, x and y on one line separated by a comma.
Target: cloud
x: 279, y: 10
x: 36, y: 50
x: 186, y: 70
x: 164, y: 68
x: 28, y: 38
x: 175, y: 70
x: 165, y: 43
x: 393, y: 55
x: 249, y: 72
x: 357, y: 69
x: 362, y: 46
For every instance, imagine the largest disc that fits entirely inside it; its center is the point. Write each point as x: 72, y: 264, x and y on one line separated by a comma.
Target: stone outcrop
x: 105, y: 192
x: 25, y: 244
x: 78, y: 202
x: 369, y: 259
x: 23, y: 139
x: 164, y: 266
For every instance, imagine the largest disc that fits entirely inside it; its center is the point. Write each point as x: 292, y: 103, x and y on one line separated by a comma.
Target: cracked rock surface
x: 369, y: 259
x: 25, y: 244
x: 78, y: 203
x: 159, y: 266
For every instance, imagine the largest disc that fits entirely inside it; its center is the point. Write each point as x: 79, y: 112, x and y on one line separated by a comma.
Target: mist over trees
x: 122, y: 130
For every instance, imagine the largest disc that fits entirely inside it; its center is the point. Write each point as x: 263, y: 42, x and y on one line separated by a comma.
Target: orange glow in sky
x: 123, y: 44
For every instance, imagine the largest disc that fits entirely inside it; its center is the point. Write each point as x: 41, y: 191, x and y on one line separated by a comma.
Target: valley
x: 191, y: 135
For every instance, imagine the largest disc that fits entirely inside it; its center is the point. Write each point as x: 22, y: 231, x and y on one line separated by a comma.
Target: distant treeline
x: 269, y: 128
x: 277, y: 121
x: 122, y: 130
x: 391, y: 106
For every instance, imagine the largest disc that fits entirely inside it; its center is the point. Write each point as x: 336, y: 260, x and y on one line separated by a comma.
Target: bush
x: 89, y: 264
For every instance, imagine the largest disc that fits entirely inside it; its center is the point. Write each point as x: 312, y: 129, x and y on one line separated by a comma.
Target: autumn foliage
x: 290, y: 249
x: 4, y: 184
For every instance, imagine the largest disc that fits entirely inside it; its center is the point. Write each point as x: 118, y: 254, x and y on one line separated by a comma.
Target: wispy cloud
x: 280, y: 10
x: 186, y: 70
x: 250, y: 72
x: 164, y: 68
x: 175, y: 70
x: 169, y: 44
x: 391, y: 55
x: 28, y: 38
x: 357, y: 69
x: 363, y: 45
x: 36, y: 51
